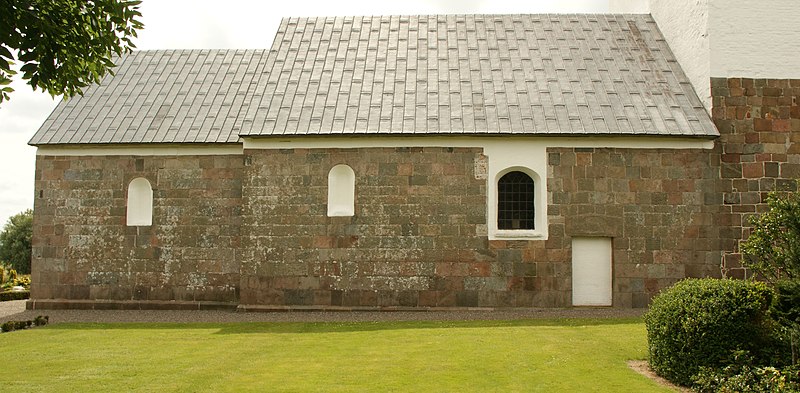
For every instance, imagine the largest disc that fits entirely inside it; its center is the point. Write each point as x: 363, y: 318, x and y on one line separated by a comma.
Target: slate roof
x: 450, y: 74
x: 161, y: 96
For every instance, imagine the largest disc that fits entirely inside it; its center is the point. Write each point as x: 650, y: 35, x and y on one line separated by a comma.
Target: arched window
x: 341, y: 191
x: 515, y: 201
x: 140, y: 202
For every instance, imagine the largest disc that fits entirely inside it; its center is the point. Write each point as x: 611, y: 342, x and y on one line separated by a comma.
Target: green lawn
x: 480, y: 356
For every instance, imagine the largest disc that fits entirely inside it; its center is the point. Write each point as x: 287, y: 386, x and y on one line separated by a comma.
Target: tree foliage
x: 64, y: 45
x: 773, y: 252
x: 15, y: 241
x: 773, y: 249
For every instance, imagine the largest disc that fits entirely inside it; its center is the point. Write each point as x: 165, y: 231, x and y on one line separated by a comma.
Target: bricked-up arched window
x: 341, y: 191
x: 140, y: 203
x: 515, y: 205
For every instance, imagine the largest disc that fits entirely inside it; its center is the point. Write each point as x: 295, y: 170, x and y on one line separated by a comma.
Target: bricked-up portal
x: 591, y: 271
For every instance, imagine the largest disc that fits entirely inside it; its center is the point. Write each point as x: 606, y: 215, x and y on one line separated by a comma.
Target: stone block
x: 467, y: 299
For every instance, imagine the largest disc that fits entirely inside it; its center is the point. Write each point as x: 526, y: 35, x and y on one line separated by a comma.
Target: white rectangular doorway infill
x: 591, y: 271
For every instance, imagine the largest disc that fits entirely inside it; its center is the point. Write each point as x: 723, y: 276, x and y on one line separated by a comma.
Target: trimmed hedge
x: 21, y: 295
x: 10, y: 326
x: 703, y: 322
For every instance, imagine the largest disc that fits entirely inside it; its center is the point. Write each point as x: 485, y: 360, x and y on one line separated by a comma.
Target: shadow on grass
x: 345, y: 327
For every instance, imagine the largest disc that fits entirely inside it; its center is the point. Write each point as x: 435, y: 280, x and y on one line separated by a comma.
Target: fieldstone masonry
x: 82, y: 249
x: 653, y: 205
x: 252, y: 229
x: 418, y: 236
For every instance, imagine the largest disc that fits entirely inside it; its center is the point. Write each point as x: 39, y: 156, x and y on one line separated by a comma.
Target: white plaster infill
x: 341, y: 191
x: 140, y: 203
x: 525, y: 153
x: 140, y: 150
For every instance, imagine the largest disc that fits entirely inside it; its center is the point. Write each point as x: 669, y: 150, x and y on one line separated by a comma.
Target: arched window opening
x: 515, y: 201
x: 341, y: 191
x: 140, y: 202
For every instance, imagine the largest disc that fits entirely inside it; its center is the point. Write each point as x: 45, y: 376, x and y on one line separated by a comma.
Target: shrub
x: 745, y: 378
x: 22, y: 295
x: 702, y: 322
x: 41, y: 320
x: 787, y: 312
x: 10, y: 326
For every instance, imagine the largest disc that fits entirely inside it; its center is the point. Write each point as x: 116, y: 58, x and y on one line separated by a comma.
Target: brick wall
x: 759, y: 123
x: 82, y: 249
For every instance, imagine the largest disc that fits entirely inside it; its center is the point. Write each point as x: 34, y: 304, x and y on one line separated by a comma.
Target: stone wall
x: 654, y: 205
x: 759, y: 123
x: 418, y: 237
x: 83, y: 250
x: 252, y: 229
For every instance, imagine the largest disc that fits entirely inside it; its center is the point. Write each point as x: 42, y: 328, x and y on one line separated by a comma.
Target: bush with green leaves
x: 9, y: 295
x: 702, y: 322
x: 10, y: 326
x: 786, y: 311
x: 743, y: 377
x: 772, y: 250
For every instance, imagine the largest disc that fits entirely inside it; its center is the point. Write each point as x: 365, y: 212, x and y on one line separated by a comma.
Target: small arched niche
x: 341, y: 191
x: 140, y: 202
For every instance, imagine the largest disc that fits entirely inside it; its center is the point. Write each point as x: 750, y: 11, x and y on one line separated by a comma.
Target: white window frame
x: 540, y: 213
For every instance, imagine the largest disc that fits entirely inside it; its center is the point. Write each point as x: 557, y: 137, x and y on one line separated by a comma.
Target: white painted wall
x: 628, y: 6
x: 684, y: 24
x: 731, y: 38
x: 755, y: 39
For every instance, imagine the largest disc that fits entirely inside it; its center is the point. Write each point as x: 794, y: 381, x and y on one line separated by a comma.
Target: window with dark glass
x: 515, y: 208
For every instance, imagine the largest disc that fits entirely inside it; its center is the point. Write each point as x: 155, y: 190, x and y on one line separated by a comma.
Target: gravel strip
x: 15, y: 310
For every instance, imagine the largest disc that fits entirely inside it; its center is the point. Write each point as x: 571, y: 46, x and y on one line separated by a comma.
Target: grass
x: 476, y: 356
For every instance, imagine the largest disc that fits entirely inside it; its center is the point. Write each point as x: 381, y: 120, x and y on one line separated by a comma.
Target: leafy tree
x: 773, y: 248
x: 773, y: 252
x: 15, y: 241
x: 64, y: 45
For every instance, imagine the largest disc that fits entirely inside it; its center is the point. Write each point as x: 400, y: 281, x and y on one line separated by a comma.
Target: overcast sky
x: 194, y: 24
